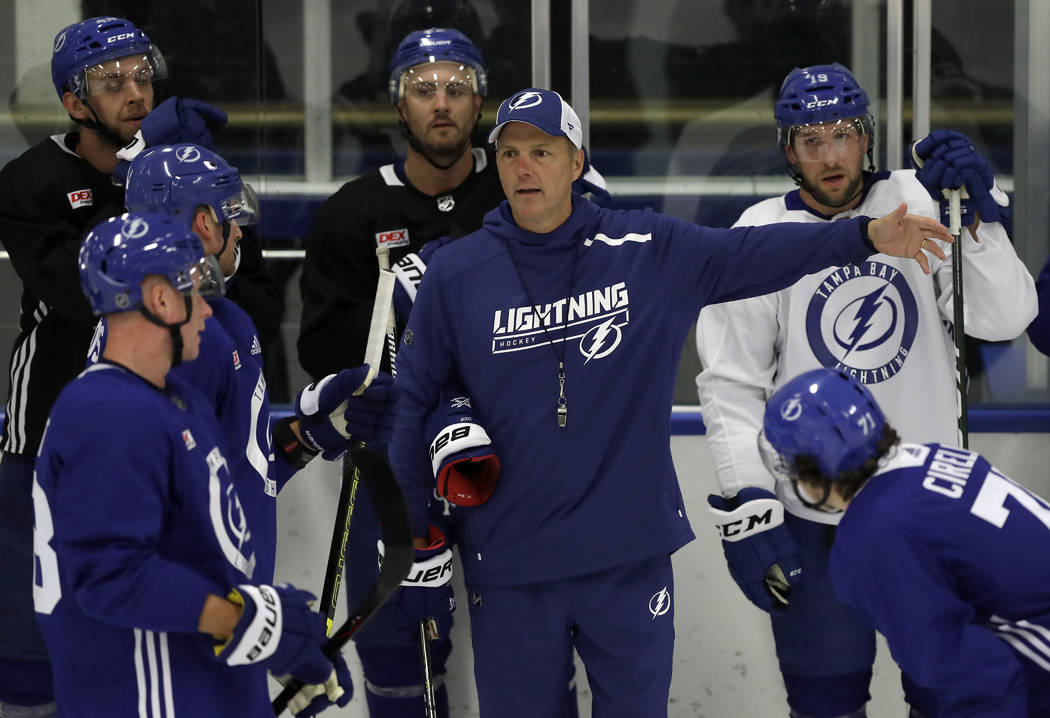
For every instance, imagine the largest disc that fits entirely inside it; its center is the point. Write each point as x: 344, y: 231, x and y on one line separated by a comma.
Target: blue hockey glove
x: 336, y: 691
x: 465, y: 465
x: 329, y: 413
x: 279, y: 630
x: 409, y: 272
x: 172, y: 121
x: 426, y: 591
x: 761, y: 553
x: 591, y: 181
x: 947, y: 160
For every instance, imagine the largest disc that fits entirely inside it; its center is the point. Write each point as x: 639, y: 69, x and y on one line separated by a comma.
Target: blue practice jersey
x: 229, y: 372
x: 137, y: 521
x: 615, y: 294
x: 950, y: 560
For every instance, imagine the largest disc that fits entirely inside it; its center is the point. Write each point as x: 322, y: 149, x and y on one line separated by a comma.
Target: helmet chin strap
x: 173, y: 328
x: 96, y: 125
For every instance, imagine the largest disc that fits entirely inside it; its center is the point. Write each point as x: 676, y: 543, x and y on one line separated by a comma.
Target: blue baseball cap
x: 543, y: 109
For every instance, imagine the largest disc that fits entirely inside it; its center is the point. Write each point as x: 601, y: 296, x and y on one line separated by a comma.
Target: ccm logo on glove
x: 767, y: 514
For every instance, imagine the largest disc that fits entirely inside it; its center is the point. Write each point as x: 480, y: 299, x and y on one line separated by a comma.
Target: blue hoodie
x: 615, y: 293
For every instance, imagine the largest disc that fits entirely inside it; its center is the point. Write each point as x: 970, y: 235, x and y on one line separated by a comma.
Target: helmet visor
x: 828, y: 141
x: 115, y: 76
x: 423, y: 82
x: 205, y: 276
x: 780, y: 466
x: 243, y: 206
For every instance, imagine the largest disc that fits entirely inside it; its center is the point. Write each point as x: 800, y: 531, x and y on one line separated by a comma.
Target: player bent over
x: 145, y: 587
x: 936, y: 549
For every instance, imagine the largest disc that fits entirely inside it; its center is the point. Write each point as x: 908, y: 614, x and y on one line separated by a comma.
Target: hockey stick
x: 955, y: 197
x: 427, y: 633
x: 961, y: 401
x: 380, y: 331
x: 397, y: 539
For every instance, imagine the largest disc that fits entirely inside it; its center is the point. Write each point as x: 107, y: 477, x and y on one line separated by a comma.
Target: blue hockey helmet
x: 825, y: 414
x: 119, y: 253
x: 177, y: 179
x: 435, y: 44
x: 820, y: 93
x: 92, y: 42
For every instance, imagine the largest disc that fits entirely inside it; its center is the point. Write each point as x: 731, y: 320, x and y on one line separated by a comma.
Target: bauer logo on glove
x: 465, y: 466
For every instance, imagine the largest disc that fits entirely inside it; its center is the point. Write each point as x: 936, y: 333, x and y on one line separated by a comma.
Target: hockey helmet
x: 89, y: 43
x: 825, y: 414
x: 819, y: 94
x: 176, y: 179
x: 436, y: 44
x: 119, y: 253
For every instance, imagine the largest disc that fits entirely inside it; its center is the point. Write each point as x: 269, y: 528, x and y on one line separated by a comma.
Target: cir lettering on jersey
x: 134, y: 228
x: 188, y: 154
x: 863, y: 319
x: 525, y: 100
x: 660, y: 603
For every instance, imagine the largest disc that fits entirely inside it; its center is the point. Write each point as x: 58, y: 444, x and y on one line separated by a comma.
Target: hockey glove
x: 947, y: 160
x: 336, y: 691
x: 427, y: 590
x: 172, y: 121
x: 761, y: 553
x: 329, y: 413
x: 466, y: 468
x: 409, y: 272
x: 280, y: 631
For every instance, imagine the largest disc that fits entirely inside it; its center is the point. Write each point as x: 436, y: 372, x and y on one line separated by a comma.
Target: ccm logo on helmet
x: 735, y: 527
x: 822, y: 103
x: 121, y: 36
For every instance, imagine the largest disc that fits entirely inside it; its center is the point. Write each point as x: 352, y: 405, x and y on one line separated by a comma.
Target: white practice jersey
x: 884, y: 321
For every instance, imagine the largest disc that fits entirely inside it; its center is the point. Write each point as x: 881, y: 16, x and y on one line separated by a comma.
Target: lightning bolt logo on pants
x: 660, y: 603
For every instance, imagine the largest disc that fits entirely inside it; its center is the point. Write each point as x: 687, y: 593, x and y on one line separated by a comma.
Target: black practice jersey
x: 340, y: 272
x: 49, y: 197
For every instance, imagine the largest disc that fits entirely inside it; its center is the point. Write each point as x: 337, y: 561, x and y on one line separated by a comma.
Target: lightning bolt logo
x: 660, y: 603
x: 862, y: 317
x: 595, y: 339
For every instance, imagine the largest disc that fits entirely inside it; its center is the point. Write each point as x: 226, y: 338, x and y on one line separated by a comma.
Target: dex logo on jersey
x: 594, y: 319
x: 863, y: 319
x: 392, y: 238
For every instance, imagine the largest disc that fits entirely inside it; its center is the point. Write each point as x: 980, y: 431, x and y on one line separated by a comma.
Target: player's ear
x: 201, y: 227
x: 577, y: 163
x: 74, y: 106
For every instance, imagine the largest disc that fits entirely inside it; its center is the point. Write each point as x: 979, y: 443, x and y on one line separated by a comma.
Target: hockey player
x: 145, y: 552
x: 565, y: 323
x: 103, y: 71
x: 879, y: 319
x: 936, y: 548
x: 201, y: 190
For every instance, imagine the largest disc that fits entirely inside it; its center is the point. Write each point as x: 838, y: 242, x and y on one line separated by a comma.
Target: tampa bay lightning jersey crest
x: 882, y: 320
x: 863, y: 319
